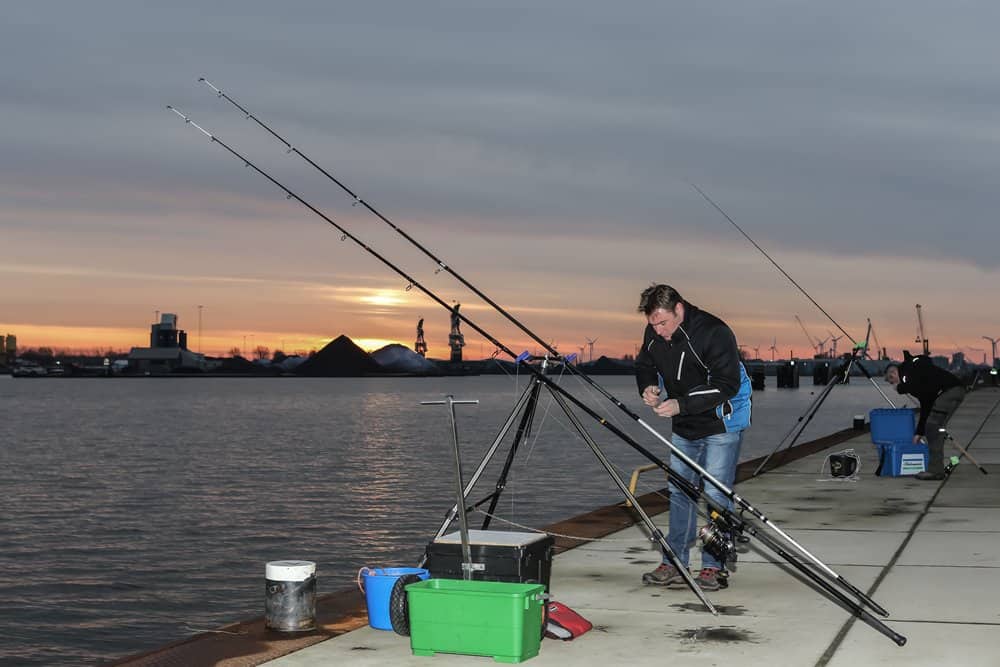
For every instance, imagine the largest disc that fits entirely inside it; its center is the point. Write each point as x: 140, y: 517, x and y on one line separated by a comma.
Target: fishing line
x: 776, y: 265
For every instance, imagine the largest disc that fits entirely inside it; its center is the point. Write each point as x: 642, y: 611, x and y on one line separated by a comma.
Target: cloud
x: 547, y: 147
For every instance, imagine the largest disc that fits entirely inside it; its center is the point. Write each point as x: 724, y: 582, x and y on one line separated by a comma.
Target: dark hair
x: 656, y: 297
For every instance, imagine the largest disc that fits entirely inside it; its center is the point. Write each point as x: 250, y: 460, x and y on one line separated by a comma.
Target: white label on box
x: 911, y: 464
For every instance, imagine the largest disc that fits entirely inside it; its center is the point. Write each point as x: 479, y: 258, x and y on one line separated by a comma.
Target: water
x: 140, y: 511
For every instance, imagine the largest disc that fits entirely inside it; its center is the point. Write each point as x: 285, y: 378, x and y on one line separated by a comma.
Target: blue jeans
x: 718, y: 455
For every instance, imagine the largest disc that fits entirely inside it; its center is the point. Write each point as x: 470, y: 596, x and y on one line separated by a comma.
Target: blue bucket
x: 377, y: 583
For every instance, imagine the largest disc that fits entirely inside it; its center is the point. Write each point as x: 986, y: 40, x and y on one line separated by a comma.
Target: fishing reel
x: 719, y: 538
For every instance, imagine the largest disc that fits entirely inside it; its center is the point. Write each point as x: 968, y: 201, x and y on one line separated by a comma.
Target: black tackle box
x: 497, y: 555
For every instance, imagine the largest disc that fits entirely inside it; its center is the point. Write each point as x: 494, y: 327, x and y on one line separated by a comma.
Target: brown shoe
x: 708, y: 579
x: 665, y: 575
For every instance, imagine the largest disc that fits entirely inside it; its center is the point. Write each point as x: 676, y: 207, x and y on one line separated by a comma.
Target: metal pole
x: 463, y: 522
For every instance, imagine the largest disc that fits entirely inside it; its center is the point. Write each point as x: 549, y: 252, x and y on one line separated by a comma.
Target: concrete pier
x: 929, y: 552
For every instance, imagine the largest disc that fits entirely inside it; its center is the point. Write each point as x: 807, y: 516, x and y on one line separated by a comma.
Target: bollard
x: 290, y: 596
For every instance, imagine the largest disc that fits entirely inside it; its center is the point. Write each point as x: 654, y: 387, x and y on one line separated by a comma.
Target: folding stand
x: 810, y: 412
x: 527, y: 405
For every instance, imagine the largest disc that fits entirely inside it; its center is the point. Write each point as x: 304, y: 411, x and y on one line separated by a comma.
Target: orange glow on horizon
x: 99, y: 340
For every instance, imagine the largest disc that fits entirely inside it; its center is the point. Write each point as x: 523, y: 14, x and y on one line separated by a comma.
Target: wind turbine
x: 834, y: 339
x: 756, y: 352
x: 774, y: 347
x: 820, y: 344
x: 591, y: 344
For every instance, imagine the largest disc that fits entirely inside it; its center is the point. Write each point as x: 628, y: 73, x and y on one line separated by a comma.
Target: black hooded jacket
x: 921, y: 379
x: 700, y: 368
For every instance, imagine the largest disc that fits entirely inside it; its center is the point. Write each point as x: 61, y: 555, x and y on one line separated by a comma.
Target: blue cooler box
x: 901, y: 458
x: 893, y: 425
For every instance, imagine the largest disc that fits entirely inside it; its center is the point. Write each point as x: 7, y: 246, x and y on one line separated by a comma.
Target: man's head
x: 892, y: 374
x: 663, y: 307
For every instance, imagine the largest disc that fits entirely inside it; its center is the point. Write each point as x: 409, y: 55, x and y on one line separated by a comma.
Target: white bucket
x: 290, y: 596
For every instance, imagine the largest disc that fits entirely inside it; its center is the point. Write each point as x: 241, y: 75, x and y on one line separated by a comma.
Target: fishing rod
x: 800, y: 288
x: 729, y: 493
x: 358, y: 200
x: 655, y: 532
x: 776, y: 265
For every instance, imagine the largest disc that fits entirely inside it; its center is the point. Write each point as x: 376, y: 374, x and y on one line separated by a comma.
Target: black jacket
x: 700, y: 368
x: 921, y: 379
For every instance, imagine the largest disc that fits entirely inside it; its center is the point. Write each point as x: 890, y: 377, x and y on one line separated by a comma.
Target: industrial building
x: 167, y: 351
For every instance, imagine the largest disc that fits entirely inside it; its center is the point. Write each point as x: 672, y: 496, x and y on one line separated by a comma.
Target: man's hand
x: 917, y: 439
x: 651, y: 396
x: 668, y: 408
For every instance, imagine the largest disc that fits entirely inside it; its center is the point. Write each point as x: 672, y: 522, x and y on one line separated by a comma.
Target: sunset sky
x: 544, y: 150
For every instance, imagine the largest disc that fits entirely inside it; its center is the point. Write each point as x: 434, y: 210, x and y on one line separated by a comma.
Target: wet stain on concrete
x: 363, y: 648
x: 595, y: 575
x: 601, y: 628
x: 636, y: 550
x: 642, y: 562
x: 724, y: 610
x: 811, y: 509
x: 892, y: 508
x: 726, y: 634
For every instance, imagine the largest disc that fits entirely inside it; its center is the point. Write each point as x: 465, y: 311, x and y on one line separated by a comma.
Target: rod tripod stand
x: 857, y: 355
x: 719, y: 537
x: 526, y: 405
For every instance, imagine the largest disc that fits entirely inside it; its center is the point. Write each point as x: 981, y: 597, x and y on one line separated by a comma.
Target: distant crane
x: 993, y: 343
x: 591, y: 344
x: 879, y: 351
x: 774, y: 347
x: 921, y: 337
x: 812, y: 342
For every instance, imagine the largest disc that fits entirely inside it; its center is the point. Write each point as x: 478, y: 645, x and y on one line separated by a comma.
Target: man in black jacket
x: 688, y: 367
x: 940, y: 393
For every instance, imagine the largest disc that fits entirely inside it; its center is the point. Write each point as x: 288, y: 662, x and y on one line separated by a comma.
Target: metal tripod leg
x: 807, y: 416
x: 491, y: 452
x: 522, y: 429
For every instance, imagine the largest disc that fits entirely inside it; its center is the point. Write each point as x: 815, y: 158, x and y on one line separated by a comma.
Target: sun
x: 381, y: 298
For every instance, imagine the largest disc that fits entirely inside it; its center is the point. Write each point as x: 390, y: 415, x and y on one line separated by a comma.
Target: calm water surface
x: 140, y: 511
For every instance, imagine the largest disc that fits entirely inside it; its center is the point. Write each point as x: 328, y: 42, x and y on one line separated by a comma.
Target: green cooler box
x: 489, y: 618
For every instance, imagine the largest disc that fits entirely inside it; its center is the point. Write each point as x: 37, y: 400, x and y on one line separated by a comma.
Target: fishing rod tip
x: 201, y: 78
